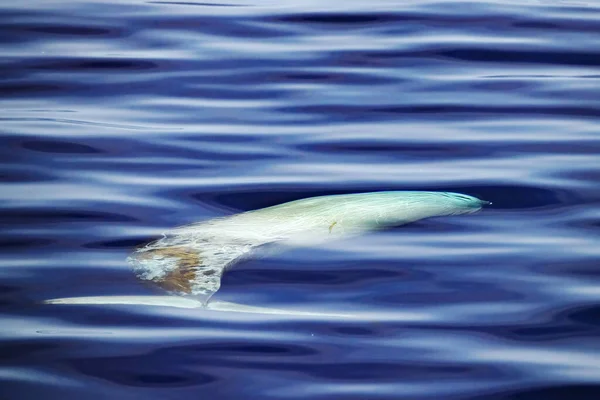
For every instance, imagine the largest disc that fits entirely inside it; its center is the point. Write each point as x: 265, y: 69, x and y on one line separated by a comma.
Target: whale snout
x: 465, y: 204
x: 463, y: 200
x: 477, y: 204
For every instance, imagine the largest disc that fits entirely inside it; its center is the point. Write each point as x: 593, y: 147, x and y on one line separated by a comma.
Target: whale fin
x: 178, y: 270
x: 184, y: 270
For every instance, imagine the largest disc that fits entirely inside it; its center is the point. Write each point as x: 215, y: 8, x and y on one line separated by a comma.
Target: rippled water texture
x: 120, y: 120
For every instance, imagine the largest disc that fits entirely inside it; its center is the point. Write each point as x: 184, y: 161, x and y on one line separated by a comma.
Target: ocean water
x: 120, y: 120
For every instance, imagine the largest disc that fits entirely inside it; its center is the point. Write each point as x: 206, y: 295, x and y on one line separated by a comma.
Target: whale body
x: 190, y: 260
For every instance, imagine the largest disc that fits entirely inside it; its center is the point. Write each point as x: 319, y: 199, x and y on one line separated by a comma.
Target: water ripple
x: 121, y: 121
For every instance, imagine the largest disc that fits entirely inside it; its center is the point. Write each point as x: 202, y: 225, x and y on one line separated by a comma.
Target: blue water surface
x: 120, y: 120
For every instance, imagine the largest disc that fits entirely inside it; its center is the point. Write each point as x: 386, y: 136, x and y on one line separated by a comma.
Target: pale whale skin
x: 190, y: 260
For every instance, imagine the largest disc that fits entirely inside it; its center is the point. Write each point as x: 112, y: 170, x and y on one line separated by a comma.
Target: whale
x: 188, y: 262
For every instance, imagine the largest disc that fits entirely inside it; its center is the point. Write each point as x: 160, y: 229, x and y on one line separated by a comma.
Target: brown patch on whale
x: 179, y: 279
x: 332, y: 225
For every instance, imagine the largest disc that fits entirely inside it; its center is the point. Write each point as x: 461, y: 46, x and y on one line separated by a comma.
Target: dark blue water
x: 120, y: 120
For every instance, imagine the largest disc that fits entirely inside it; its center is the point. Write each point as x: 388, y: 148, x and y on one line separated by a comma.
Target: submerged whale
x: 190, y: 260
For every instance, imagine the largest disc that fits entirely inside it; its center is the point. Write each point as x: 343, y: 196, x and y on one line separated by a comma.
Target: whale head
x: 458, y: 203
x: 411, y: 206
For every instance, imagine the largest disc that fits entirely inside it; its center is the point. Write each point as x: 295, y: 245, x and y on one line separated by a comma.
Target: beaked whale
x: 189, y: 261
